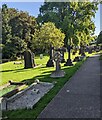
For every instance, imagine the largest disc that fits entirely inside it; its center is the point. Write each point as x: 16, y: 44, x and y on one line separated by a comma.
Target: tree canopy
x: 48, y: 35
x: 59, y: 23
x: 74, y: 19
x: 18, y: 28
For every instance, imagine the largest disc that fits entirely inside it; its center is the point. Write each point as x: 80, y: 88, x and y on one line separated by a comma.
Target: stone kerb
x: 4, y: 101
x: 34, y: 92
x: 19, y: 94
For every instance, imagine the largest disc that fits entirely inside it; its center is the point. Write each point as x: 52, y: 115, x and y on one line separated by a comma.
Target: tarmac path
x: 81, y: 95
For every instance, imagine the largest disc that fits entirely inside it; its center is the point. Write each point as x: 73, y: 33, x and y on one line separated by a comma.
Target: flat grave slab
x: 28, y: 97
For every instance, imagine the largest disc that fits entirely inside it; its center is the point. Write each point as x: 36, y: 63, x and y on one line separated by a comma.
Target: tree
x: 6, y: 32
x: 48, y: 35
x: 24, y: 27
x: 72, y: 17
x: 18, y: 28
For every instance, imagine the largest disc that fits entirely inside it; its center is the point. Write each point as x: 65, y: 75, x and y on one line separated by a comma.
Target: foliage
x: 74, y: 19
x: 18, y: 27
x: 48, y: 35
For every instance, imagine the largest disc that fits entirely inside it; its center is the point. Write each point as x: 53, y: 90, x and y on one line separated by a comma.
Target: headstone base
x: 50, y: 63
x: 68, y: 63
x: 76, y: 59
x: 63, y: 61
x: 58, y: 74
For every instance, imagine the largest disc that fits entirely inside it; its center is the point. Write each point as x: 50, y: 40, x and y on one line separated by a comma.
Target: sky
x: 33, y: 9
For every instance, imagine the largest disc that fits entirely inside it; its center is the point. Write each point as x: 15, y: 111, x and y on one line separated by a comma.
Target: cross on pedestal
x: 58, y: 72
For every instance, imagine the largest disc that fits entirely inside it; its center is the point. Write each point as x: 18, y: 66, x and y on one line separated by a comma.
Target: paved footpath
x: 80, y: 96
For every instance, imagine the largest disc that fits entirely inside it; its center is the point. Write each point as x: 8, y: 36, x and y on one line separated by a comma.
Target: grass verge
x: 100, y: 57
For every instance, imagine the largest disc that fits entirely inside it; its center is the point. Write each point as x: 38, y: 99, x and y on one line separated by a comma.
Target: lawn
x: 17, y: 73
x: 11, y: 71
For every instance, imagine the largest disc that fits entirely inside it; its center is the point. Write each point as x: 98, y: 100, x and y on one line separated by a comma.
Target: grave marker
x: 58, y: 72
x: 28, y: 59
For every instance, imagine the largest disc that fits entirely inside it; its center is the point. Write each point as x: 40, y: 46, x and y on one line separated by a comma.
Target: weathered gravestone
x: 28, y: 59
x: 90, y: 50
x: 58, y: 72
x: 62, y: 50
x: 62, y: 55
x: 50, y: 62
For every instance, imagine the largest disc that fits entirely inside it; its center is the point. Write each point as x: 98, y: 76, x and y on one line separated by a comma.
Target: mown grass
x: 11, y: 71
x: 5, y: 90
x: 43, y: 74
x: 48, y: 97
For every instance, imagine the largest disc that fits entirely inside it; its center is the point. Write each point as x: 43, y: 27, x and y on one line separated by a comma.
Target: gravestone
x: 62, y: 55
x: 50, y: 62
x: 41, y: 56
x: 28, y: 59
x: 58, y: 72
x: 32, y: 56
x: 69, y: 61
x: 74, y: 50
x: 62, y: 50
x: 90, y: 50
x: 77, y: 59
x: 82, y: 51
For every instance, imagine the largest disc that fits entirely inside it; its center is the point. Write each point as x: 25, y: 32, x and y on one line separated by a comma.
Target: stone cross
x: 58, y: 72
x: 57, y: 58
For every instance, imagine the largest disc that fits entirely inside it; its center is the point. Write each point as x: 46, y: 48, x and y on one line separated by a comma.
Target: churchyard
x: 16, y: 73
x: 41, y: 54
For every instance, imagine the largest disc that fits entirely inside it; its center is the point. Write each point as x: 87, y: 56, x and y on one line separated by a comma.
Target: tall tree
x: 18, y: 28
x: 72, y: 17
x: 6, y: 33
x: 48, y: 35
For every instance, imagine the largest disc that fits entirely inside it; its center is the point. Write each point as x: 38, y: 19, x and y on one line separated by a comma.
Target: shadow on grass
x: 38, y: 107
x: 20, y: 70
x: 45, y: 76
x: 12, y: 70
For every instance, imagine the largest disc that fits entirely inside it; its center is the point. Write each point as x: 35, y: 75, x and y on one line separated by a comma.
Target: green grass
x: 17, y: 73
x: 5, y: 90
x: 47, y: 98
x: 11, y: 71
